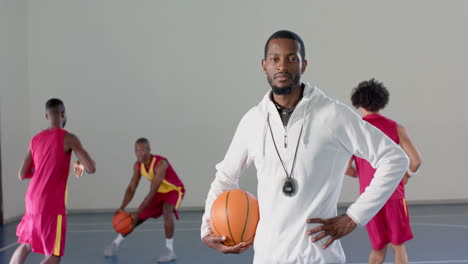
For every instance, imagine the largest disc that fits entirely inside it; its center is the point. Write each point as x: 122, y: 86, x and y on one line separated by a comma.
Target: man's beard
x: 284, y: 90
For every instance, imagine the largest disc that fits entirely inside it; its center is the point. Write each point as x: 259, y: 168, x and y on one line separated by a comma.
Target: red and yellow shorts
x: 155, y: 208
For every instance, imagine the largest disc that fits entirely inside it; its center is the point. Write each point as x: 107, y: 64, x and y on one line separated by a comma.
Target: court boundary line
x: 9, y: 246
x: 441, y: 225
x: 441, y: 215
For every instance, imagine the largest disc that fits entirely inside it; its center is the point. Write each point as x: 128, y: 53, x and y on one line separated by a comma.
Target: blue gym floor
x: 441, y: 236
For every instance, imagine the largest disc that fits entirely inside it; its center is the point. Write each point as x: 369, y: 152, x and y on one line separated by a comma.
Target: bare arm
x: 130, y: 192
x: 72, y: 143
x: 407, y: 145
x: 26, y: 170
x: 159, y: 174
x: 350, y: 170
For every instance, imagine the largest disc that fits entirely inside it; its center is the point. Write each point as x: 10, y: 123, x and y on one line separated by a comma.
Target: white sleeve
x: 365, y: 141
x: 228, y: 171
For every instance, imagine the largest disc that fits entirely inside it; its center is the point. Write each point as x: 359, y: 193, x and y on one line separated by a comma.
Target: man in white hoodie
x: 300, y: 141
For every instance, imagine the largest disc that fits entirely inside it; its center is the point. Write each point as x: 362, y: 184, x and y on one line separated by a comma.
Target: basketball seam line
x: 227, y: 218
x: 120, y: 221
x: 116, y: 226
x: 246, y: 217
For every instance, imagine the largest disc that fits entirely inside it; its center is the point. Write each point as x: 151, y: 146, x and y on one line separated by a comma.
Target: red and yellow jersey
x: 171, y: 181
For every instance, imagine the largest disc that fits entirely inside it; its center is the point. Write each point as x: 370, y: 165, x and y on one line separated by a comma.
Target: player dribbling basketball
x: 165, y: 195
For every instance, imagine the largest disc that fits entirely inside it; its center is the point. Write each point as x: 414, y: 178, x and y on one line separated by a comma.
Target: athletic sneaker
x: 167, y: 255
x: 111, y: 250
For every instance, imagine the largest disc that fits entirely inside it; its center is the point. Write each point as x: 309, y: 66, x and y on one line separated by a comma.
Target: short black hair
x: 142, y: 140
x: 371, y: 95
x: 286, y: 34
x: 55, y: 105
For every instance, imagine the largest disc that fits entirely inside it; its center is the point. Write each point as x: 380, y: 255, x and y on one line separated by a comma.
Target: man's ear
x: 304, y: 66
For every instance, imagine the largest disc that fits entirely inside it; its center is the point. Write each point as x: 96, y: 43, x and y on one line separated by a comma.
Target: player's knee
x: 51, y: 260
x: 377, y: 256
x: 26, y: 247
x: 167, y: 210
x: 400, y: 253
x: 376, y: 260
x: 399, y: 249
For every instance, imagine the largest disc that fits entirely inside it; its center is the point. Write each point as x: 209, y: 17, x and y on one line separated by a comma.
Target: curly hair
x: 371, y: 95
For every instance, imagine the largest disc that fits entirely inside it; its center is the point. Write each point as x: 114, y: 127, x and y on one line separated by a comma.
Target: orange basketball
x: 235, y: 215
x: 122, y: 223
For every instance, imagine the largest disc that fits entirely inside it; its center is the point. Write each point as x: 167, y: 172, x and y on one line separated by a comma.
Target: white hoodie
x: 332, y: 133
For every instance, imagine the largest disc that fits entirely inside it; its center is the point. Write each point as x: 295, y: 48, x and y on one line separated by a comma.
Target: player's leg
x: 24, y: 233
x: 20, y: 254
x: 399, y: 224
x: 138, y: 222
x: 168, y: 210
x: 113, y: 247
x: 51, y: 260
x: 154, y: 210
x: 377, y: 256
x: 378, y: 236
x: 400, y: 256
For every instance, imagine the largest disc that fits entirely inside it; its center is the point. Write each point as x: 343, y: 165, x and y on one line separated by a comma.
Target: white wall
x: 184, y: 73
x: 14, y: 102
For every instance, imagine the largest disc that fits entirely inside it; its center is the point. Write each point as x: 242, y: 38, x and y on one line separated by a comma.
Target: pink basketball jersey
x: 364, y: 169
x: 46, y: 191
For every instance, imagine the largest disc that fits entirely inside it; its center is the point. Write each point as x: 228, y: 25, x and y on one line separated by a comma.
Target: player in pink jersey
x: 165, y: 195
x: 43, y: 227
x: 391, y: 224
